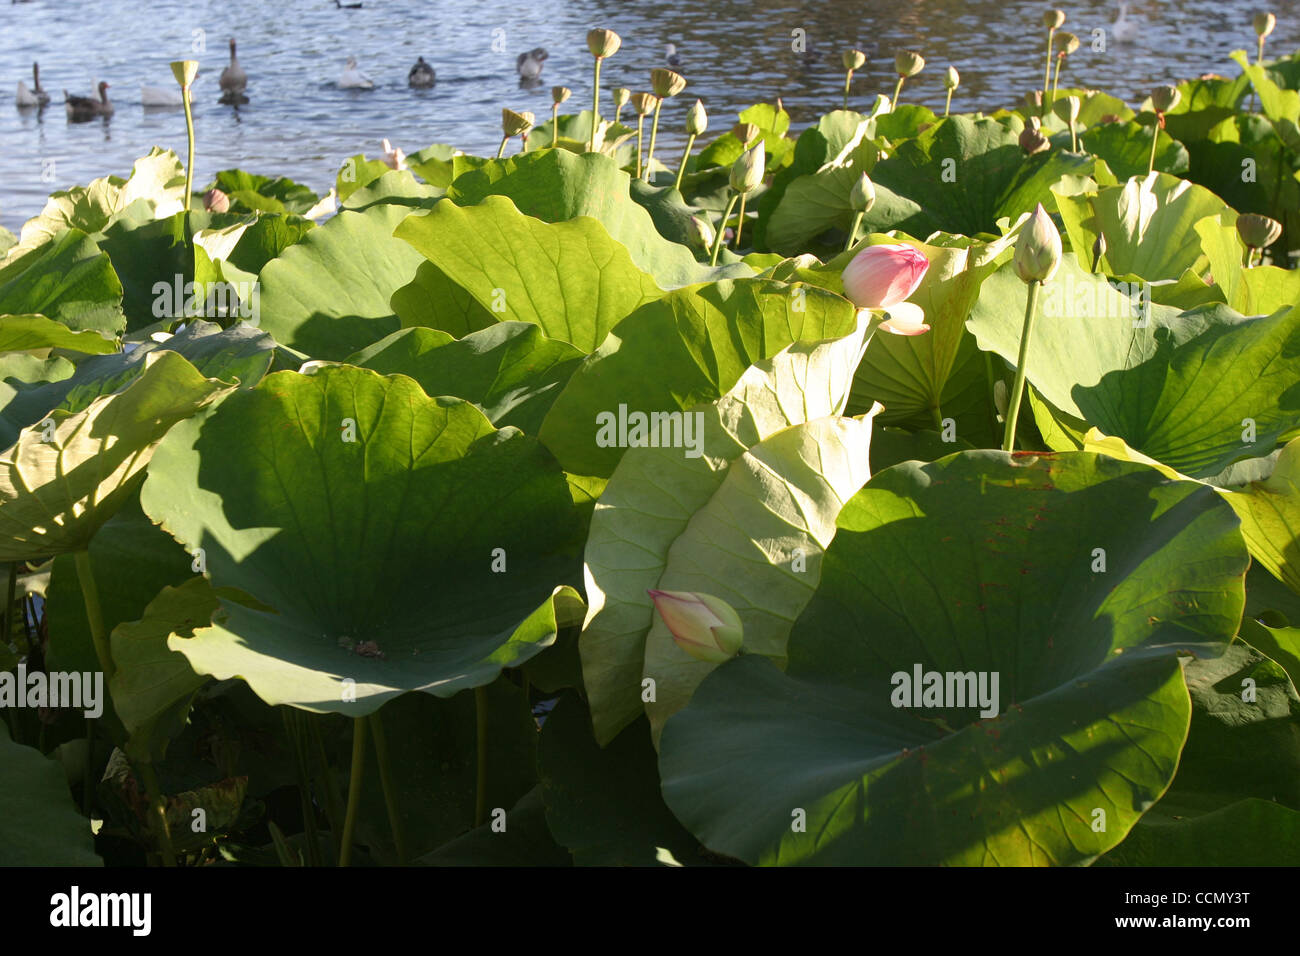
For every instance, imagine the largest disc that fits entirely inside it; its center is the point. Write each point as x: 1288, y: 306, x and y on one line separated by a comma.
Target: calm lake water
x: 300, y: 124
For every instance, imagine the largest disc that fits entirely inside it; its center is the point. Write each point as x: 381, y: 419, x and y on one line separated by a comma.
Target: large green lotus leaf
x: 67, y: 279
x: 328, y: 295
x: 249, y: 192
x: 1281, y: 644
x: 39, y: 824
x: 604, y: 803
x: 660, y: 508
x: 250, y: 245
x: 1092, y: 710
x: 690, y: 346
x: 1203, y: 104
x: 510, y: 370
x: 1177, y: 387
x: 569, y: 278
x: 146, y: 252
x: 1250, y: 832
x: 772, y: 124
x: 365, y: 519
x: 394, y: 187
x: 1149, y: 225
x: 555, y: 185
x: 1277, y: 102
x: 56, y: 493
x: 32, y: 332
x: 527, y: 841
x: 1126, y: 148
x: 1260, y: 290
x: 432, y: 300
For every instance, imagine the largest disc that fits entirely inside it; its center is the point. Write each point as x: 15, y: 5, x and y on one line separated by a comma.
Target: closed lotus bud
x: 643, y: 103
x: 697, y: 121
x: 1258, y: 232
x: 185, y: 71
x: 705, y: 627
x: 1264, y: 24
x: 881, y: 277
x: 699, y: 233
x: 514, y: 124
x: 1067, y: 108
x: 666, y: 83
x: 1165, y: 98
x: 1032, y: 139
x: 214, y: 200
x: 863, y: 194
x: 747, y: 172
x: 1065, y: 43
x: 1038, y: 250
x: 621, y: 95
x: 603, y: 43
x: 1053, y: 19
x: 559, y: 94
x: 951, y: 79
x: 1098, y: 250
x: 853, y: 59
x: 908, y: 63
x: 745, y: 132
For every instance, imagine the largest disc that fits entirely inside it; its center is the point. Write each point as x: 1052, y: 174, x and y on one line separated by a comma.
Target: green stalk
x: 94, y: 616
x: 1074, y: 139
x: 848, y: 78
x: 936, y: 412
x: 1013, y: 405
x: 992, y: 392
x: 853, y: 230
x: 502, y: 151
x: 386, y: 781
x: 595, y: 108
x: 480, y: 783
x: 189, y: 131
x: 555, y: 124
x: 293, y: 729
x: 1056, y: 79
x: 898, y: 90
x: 654, y: 132
x: 681, y: 170
x: 1155, y: 138
x: 640, y: 130
x: 333, y: 809
x: 1047, y: 68
x: 740, y: 222
x: 1259, y: 58
x: 947, y: 103
x: 354, y: 787
x: 158, y: 812
x: 722, y: 229
x: 618, y: 113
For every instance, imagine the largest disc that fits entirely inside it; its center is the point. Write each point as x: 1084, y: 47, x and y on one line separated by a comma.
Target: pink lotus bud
x: 905, y: 319
x: 883, y: 276
x: 214, y: 200
x: 705, y: 627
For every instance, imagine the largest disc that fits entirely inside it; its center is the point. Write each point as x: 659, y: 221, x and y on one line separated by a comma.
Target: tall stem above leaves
x: 1047, y: 67
x: 654, y: 133
x: 686, y: 154
x: 189, y: 132
x: 722, y: 229
x: 595, y: 108
x: 354, y: 788
x: 898, y: 89
x: 1017, y: 389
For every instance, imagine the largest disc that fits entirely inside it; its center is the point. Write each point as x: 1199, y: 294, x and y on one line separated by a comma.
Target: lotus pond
x: 919, y: 488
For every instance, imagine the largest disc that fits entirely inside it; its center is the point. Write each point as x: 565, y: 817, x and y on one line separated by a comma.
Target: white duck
x: 1123, y: 29
x: 33, y: 97
x: 162, y: 95
x: 233, y: 80
x: 393, y: 156
x: 671, y: 57
x: 354, y: 79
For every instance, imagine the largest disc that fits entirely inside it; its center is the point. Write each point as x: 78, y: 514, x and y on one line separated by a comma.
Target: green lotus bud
x: 1038, y: 250
x: 908, y: 63
x: 705, y: 627
x: 1068, y: 108
x: 559, y: 94
x: 621, y: 95
x: 853, y: 59
x: 699, y: 233
x: 863, y: 194
x: 747, y: 172
x: 643, y: 103
x: 746, y: 132
x: 1053, y: 19
x: 1256, y: 231
x: 185, y: 71
x: 1264, y: 24
x: 697, y: 121
x: 515, y: 124
x: 951, y: 79
x: 603, y: 43
x: 666, y: 83
x: 1165, y: 98
x: 1032, y: 139
x: 1065, y: 43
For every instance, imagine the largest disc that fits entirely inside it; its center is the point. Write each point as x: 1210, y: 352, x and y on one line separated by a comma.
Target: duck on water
x: 82, y: 108
x: 421, y: 75
x: 35, y: 96
x: 233, y: 80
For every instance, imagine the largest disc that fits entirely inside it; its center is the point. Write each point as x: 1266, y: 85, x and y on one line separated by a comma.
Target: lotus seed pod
x: 853, y: 59
x: 747, y: 172
x: 1165, y: 98
x: 1264, y: 24
x: 603, y: 43
x: 705, y: 627
x: 908, y: 63
x: 643, y: 103
x: 1038, y: 250
x: 1258, y: 232
x: 697, y: 121
x: 185, y: 71
x: 1065, y: 43
x: 745, y: 132
x: 514, y: 124
x: 951, y: 78
x: 621, y: 95
x: 1053, y: 19
x: 863, y: 194
x: 559, y: 94
x: 666, y: 83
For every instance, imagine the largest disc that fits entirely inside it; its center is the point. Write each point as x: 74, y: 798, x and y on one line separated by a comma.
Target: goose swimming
x: 1123, y: 29
x: 672, y: 59
x: 421, y: 75
x: 233, y: 80
x: 530, y: 64
x: 82, y: 108
x: 354, y: 79
x: 35, y: 96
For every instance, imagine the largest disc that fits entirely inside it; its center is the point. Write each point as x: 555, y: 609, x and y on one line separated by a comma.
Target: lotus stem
x: 328, y: 788
x: 480, y: 783
x: 740, y: 222
x: 1074, y: 138
x: 189, y: 132
x: 294, y: 730
x: 354, y: 788
x: 1155, y: 138
x: 1259, y: 57
x: 848, y: 78
x: 992, y: 390
x: 654, y: 133
x: 898, y: 88
x: 1017, y: 390
x: 501, y: 151
x: 947, y: 103
x: 618, y: 113
x: 595, y: 108
x: 94, y: 615
x: 386, y: 781
x: 1047, y: 68
x: 555, y: 125
x: 686, y: 154
x: 640, y: 130
x: 857, y: 223
x: 158, y: 812
x: 722, y: 229
x: 1056, y: 78
x: 936, y: 413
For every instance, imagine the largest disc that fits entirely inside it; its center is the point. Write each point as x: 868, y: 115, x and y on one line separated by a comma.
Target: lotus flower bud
x: 1098, y: 250
x: 747, y: 172
x: 185, y: 71
x: 1256, y: 231
x: 880, y: 277
x: 666, y: 83
x: 853, y: 59
x: 705, y: 627
x: 745, y: 132
x: 1032, y: 139
x: 1038, y: 250
x: 1065, y: 43
x: 214, y: 200
x: 559, y: 94
x: 1053, y: 19
x: 951, y: 79
x: 514, y: 124
x: 1264, y: 24
x: 1067, y: 108
x: 1165, y: 98
x: 863, y: 194
x: 697, y: 121
x: 699, y: 233
x: 643, y: 103
x: 603, y: 43
x: 908, y: 63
